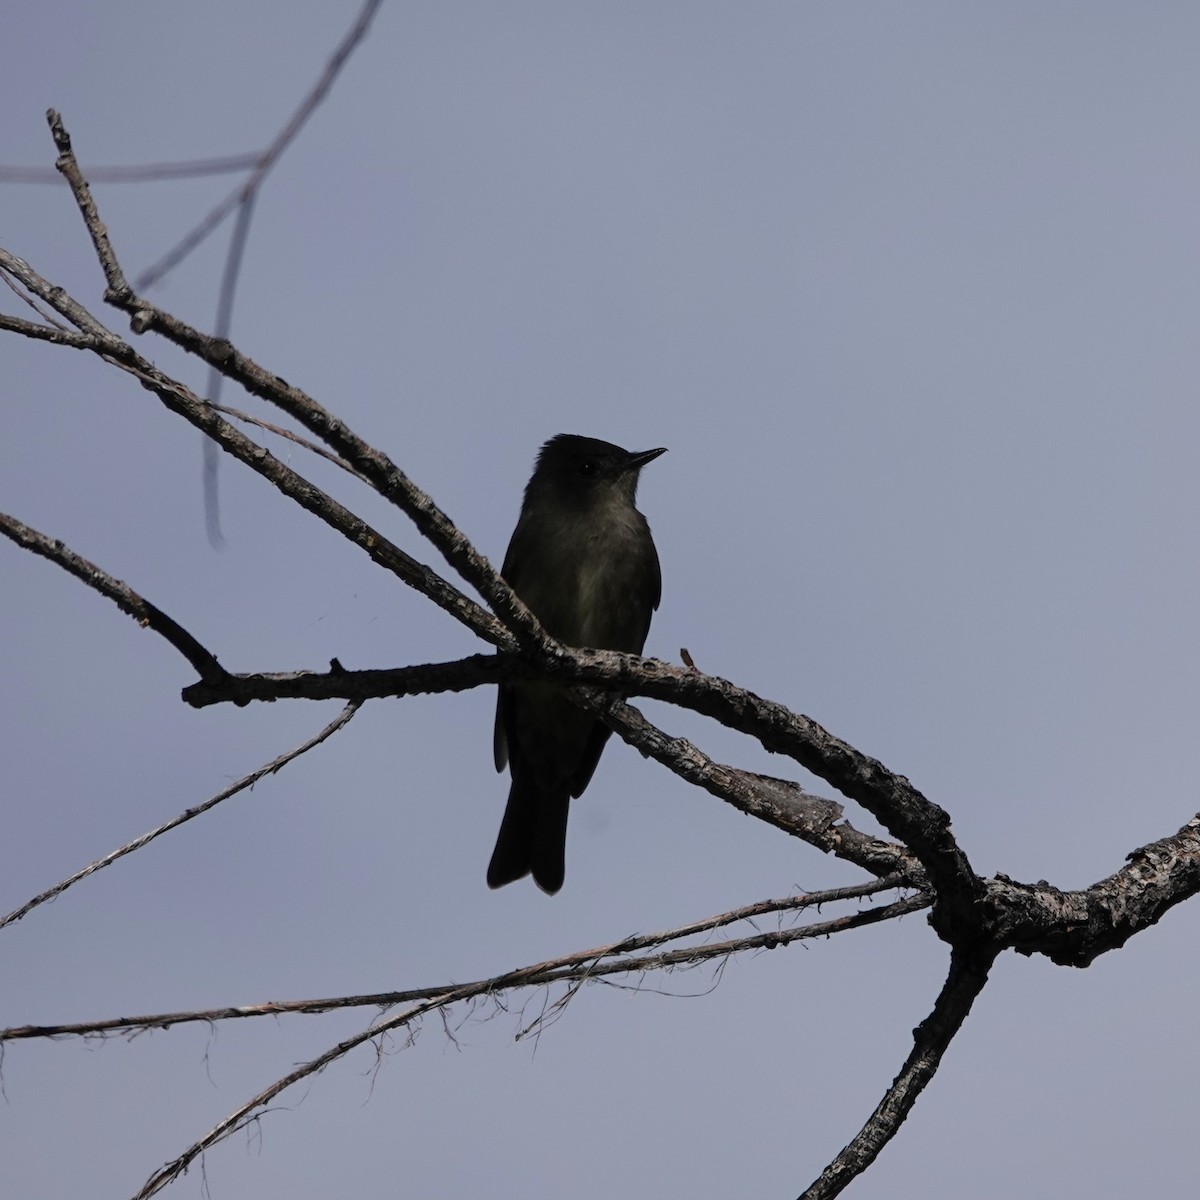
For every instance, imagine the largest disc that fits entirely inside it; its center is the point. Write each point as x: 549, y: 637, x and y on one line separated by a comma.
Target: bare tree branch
x: 1036, y: 919
x: 581, y: 965
x: 31, y: 302
x: 540, y: 975
x: 248, y: 781
x: 968, y: 974
x: 779, y: 802
x: 121, y: 594
x: 1071, y: 928
x: 55, y: 334
x: 1074, y: 928
x: 387, y: 479
x: 906, y: 814
x: 185, y: 403
x: 66, y: 306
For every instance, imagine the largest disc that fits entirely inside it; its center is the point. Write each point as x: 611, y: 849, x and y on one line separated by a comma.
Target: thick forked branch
x: 891, y: 799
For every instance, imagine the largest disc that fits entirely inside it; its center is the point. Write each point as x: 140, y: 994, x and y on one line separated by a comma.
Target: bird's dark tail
x: 533, y: 837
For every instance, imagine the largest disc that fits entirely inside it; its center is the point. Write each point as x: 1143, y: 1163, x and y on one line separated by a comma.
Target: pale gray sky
x: 910, y: 291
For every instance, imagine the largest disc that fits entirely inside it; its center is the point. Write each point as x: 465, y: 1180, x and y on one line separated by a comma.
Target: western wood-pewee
x: 583, y: 561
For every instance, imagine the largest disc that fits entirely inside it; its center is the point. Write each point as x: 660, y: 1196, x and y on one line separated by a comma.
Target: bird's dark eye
x: 587, y: 467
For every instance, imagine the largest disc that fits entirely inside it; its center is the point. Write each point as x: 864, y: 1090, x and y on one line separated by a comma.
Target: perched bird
x: 583, y: 561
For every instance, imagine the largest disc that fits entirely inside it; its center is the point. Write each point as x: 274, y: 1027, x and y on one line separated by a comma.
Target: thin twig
x: 279, y: 431
x: 252, y: 1109
x: 29, y: 300
x: 276, y: 764
x: 528, y: 977
x: 565, y: 968
x: 234, y: 255
x: 271, y: 155
x: 143, y: 173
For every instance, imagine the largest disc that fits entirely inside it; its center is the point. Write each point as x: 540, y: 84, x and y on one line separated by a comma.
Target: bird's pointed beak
x: 638, y: 460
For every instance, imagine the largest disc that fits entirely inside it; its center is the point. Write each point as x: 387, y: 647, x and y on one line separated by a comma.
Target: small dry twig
x: 248, y: 781
x: 537, y: 976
